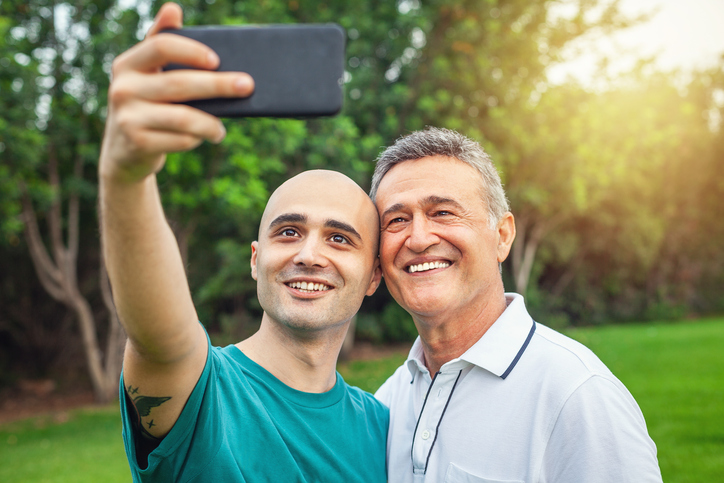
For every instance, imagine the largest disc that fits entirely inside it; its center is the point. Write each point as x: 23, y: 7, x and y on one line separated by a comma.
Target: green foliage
x: 394, y: 324
x: 640, y: 245
x: 625, y: 182
x: 54, y: 65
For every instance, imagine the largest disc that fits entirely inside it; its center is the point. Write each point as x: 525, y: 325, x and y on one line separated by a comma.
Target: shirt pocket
x: 455, y: 474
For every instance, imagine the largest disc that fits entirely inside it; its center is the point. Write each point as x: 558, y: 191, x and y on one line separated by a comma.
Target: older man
x: 487, y: 394
x: 271, y: 407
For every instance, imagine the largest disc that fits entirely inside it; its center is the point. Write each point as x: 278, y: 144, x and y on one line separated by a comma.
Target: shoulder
x: 366, y: 402
x: 578, y: 382
x: 399, y: 380
x: 562, y: 352
x: 561, y: 370
x: 230, y: 360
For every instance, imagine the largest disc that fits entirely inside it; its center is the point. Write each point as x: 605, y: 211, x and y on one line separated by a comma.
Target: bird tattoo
x: 143, y: 406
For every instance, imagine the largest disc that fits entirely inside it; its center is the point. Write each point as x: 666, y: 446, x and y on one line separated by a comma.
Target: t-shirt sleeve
x: 176, y: 444
x: 600, y: 436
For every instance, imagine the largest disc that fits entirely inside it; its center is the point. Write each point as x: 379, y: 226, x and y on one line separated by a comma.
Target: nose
x: 421, y: 236
x: 310, y: 253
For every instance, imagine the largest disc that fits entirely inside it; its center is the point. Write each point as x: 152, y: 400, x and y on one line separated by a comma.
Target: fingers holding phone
x: 144, y: 117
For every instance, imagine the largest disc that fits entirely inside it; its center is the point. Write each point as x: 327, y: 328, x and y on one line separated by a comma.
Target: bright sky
x: 684, y: 34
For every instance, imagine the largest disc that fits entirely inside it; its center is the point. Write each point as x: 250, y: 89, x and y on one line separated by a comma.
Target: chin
x: 308, y: 322
x: 425, y: 306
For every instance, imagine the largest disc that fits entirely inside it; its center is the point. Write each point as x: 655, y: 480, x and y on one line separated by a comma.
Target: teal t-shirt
x: 241, y: 424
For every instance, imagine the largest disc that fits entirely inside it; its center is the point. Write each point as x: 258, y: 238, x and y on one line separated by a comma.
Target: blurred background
x: 604, y: 118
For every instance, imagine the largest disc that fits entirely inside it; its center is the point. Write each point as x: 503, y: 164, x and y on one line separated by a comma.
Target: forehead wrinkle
x: 439, y: 200
x: 340, y: 225
x: 287, y: 218
x: 427, y: 201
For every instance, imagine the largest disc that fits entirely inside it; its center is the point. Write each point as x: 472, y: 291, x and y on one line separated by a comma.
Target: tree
x: 57, y: 56
x: 642, y: 163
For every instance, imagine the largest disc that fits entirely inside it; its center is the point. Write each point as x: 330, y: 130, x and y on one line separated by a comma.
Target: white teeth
x: 309, y: 286
x: 422, y: 267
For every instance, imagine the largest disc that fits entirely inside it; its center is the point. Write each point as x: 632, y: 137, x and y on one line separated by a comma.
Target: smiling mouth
x: 309, y: 287
x: 427, y: 266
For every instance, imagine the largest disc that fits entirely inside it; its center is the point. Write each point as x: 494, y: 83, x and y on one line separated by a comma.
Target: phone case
x: 297, y: 69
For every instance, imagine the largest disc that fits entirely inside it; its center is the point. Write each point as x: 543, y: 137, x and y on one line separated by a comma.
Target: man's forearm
x: 149, y: 283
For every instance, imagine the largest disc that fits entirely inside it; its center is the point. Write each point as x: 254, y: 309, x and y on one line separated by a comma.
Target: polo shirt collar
x: 416, y: 359
x: 497, y: 351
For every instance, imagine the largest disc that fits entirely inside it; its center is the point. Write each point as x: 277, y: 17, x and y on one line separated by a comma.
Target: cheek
x: 390, y: 245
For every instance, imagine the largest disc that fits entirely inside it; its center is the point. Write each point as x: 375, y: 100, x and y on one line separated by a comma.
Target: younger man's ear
x: 376, y: 278
x: 254, y: 251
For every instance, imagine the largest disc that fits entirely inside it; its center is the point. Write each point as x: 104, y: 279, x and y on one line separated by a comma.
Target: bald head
x: 316, y: 256
x: 324, y: 191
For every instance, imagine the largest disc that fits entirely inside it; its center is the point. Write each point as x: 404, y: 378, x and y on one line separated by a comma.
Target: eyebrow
x: 287, y: 218
x: 340, y: 225
x: 430, y: 200
x: 439, y: 200
x: 302, y: 219
x: 391, y: 209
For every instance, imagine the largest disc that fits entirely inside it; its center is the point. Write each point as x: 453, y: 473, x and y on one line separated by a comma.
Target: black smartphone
x: 297, y: 69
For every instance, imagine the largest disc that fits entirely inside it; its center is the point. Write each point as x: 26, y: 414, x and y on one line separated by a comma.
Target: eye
x: 339, y: 239
x: 442, y: 213
x: 395, y: 221
x: 394, y: 224
x: 288, y: 232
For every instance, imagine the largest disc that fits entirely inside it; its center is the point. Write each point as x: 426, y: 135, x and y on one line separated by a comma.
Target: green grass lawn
x: 675, y: 371
x: 87, y: 448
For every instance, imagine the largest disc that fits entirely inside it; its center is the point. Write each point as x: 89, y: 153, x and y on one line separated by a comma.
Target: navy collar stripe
x: 520, y: 352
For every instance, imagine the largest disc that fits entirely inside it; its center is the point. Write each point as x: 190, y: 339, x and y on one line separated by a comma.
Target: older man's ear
x: 506, y: 235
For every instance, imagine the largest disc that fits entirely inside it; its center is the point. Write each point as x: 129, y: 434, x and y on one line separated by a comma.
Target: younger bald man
x: 272, y: 407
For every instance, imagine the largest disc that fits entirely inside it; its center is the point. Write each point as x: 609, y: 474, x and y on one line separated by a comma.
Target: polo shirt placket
x: 436, y: 401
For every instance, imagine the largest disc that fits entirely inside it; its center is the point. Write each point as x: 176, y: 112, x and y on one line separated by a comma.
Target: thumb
x: 170, y: 16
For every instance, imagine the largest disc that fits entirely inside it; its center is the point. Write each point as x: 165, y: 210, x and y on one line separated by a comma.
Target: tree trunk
x: 529, y: 233
x: 116, y: 341
x: 58, y: 275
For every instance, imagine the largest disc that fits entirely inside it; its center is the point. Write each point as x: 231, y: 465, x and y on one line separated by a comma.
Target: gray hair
x: 445, y: 142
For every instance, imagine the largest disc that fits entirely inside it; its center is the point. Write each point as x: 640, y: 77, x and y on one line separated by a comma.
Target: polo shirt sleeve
x: 383, y: 394
x: 600, y: 436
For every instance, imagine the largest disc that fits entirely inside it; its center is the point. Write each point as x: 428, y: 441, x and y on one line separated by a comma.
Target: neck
x: 448, y: 336
x: 303, y: 360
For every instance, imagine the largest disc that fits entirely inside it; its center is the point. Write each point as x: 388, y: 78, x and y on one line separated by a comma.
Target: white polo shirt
x: 524, y: 404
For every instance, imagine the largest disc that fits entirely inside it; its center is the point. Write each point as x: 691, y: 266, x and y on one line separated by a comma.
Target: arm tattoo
x: 142, y: 406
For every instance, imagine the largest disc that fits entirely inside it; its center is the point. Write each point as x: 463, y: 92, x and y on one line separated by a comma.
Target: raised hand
x: 144, y: 120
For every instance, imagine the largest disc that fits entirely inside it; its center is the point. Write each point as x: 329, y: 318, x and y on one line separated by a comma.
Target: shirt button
x: 425, y: 434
